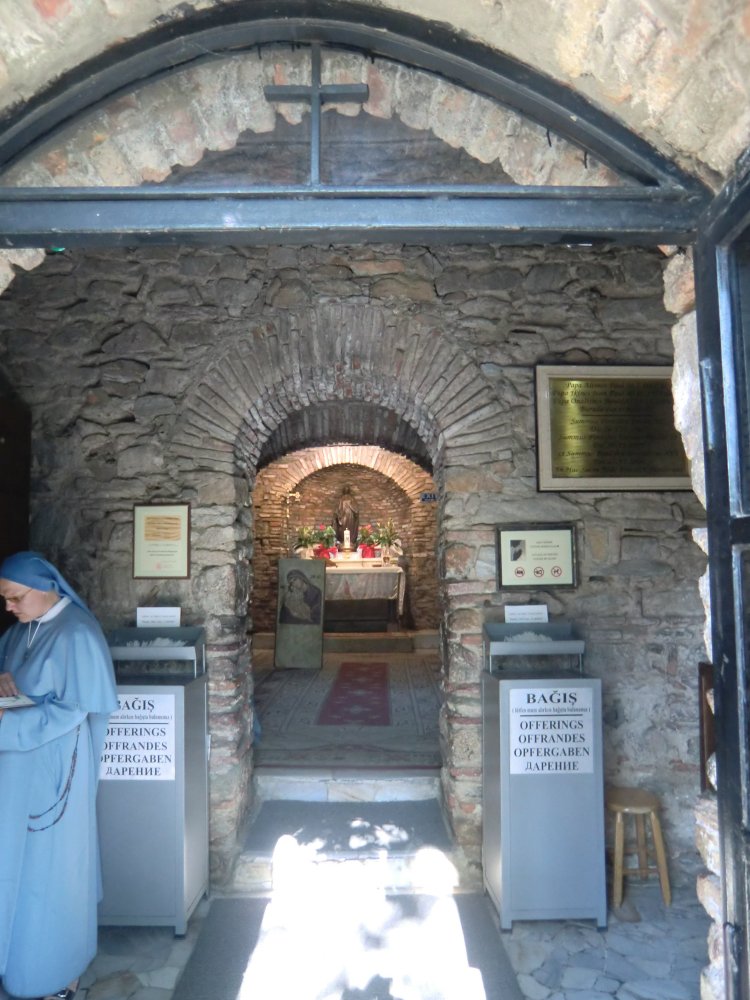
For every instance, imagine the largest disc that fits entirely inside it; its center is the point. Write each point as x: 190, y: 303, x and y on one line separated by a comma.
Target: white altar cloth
x: 350, y: 582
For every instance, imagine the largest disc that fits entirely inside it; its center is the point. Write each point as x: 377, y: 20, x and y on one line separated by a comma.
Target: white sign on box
x: 155, y: 617
x: 140, y: 744
x: 551, y: 730
x: 526, y: 613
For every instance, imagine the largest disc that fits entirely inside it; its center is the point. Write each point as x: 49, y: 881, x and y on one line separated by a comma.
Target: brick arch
x: 339, y: 352
x: 176, y: 120
x: 407, y: 475
x: 281, y: 501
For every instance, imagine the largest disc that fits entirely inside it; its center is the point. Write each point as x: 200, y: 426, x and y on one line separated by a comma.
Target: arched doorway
x: 206, y: 433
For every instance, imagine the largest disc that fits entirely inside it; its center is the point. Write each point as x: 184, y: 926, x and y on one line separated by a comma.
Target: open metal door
x: 723, y: 304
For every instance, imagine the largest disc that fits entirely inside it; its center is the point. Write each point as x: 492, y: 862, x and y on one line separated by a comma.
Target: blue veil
x: 30, y: 569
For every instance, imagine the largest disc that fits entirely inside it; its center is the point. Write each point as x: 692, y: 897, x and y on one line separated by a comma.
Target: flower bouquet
x: 326, y: 535
x: 306, y: 538
x: 387, y: 534
x: 317, y: 540
x: 388, y: 540
x: 366, y: 541
x: 325, y: 542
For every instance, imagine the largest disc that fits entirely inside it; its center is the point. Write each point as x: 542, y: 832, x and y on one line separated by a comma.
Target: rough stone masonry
x: 159, y: 373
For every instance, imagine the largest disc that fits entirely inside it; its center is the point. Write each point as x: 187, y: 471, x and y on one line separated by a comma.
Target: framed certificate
x: 161, y: 541
x: 536, y: 555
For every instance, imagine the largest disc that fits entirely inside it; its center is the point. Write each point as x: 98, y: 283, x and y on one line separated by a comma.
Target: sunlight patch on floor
x: 330, y: 932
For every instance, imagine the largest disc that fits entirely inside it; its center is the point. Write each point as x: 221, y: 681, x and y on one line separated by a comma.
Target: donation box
x: 152, y: 804
x: 543, y: 795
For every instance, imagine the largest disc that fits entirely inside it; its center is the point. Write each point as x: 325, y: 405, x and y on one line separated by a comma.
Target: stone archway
x: 433, y: 385
x: 345, y: 352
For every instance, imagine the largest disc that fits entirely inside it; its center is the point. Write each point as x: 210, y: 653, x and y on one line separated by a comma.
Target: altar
x: 363, y: 594
x: 349, y: 581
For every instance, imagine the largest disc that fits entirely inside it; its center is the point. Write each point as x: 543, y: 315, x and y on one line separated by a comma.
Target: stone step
x: 340, y: 785
x: 368, y: 642
x: 256, y: 875
x: 365, y: 642
x: 399, y: 847
x: 425, y: 639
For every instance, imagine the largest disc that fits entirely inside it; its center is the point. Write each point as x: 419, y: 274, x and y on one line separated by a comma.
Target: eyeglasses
x: 17, y: 598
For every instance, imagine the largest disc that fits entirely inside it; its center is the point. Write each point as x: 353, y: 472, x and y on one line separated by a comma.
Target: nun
x: 57, y: 687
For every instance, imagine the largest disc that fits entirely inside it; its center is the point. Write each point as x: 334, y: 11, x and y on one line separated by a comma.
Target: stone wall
x: 160, y: 373
x: 679, y: 298
x: 378, y: 498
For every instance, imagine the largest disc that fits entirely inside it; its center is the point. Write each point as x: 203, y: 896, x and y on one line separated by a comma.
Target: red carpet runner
x: 358, y: 696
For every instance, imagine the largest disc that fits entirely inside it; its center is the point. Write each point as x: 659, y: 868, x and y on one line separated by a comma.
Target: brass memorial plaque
x: 609, y: 430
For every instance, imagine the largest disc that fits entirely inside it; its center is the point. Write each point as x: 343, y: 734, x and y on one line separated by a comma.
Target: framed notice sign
x: 608, y: 428
x: 536, y: 555
x: 161, y: 540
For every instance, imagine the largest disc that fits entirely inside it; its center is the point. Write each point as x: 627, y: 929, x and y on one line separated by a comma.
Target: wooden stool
x: 639, y: 804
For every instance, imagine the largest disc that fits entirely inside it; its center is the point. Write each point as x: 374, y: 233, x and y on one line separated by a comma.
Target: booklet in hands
x: 15, y: 701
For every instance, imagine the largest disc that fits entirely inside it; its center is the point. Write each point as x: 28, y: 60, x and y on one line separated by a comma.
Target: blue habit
x: 49, y: 762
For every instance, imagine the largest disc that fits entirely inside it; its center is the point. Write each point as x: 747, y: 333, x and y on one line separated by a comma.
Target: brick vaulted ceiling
x: 352, y: 421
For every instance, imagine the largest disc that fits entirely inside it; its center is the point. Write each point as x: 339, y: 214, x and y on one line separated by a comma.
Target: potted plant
x: 387, y: 537
x: 306, y: 538
x: 366, y: 541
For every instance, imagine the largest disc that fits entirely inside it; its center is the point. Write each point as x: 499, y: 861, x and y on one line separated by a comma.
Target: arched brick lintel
x: 262, y: 379
x: 144, y: 137
x: 176, y: 120
x: 407, y: 475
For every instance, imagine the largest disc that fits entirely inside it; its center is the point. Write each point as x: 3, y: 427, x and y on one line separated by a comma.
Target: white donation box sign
x: 543, y: 796
x: 551, y: 730
x: 140, y: 744
x: 152, y: 805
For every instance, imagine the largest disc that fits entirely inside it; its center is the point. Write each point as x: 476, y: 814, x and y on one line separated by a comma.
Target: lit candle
x: 347, y: 539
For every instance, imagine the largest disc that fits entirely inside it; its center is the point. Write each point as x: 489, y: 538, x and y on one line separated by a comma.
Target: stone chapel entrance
x: 223, y: 359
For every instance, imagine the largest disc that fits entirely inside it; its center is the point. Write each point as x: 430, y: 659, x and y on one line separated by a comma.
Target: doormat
x: 308, y: 942
x: 359, y: 696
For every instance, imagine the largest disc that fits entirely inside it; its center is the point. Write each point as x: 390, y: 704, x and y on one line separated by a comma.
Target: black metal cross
x: 316, y: 95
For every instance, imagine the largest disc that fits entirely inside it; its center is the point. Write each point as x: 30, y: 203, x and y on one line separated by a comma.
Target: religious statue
x: 346, y: 520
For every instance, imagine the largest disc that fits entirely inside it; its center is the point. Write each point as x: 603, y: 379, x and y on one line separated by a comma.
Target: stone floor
x: 648, y: 952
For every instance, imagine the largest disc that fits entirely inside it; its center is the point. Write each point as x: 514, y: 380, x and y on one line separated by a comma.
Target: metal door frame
x: 722, y: 275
